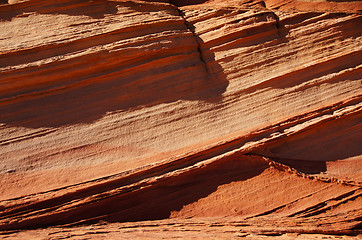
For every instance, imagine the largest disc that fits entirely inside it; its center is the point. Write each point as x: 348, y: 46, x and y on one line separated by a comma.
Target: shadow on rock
x: 83, y: 90
x: 158, y: 200
x: 94, y: 9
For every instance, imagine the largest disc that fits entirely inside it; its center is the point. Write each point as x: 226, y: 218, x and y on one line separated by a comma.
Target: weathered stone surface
x: 123, y: 111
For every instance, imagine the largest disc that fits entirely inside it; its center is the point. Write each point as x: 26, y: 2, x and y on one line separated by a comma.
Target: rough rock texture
x: 239, y: 115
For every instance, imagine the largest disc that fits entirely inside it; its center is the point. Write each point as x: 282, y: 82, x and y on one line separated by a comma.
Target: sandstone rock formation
x: 241, y: 115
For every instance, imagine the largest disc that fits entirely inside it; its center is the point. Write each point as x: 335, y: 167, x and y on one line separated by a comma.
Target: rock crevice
x: 197, y: 39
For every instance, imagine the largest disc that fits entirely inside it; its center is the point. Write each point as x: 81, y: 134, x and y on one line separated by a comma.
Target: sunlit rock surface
x: 242, y: 115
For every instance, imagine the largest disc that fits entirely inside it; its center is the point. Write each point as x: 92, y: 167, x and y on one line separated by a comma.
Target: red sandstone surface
x: 180, y: 119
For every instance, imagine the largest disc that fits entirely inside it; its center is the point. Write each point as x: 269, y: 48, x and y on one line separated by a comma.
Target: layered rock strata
x: 125, y: 111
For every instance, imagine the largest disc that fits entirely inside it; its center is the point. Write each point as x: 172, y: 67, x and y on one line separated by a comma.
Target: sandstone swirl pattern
x: 124, y: 111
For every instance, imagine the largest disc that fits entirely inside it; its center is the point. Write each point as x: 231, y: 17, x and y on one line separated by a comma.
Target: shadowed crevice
x: 180, y: 3
x: 304, y: 166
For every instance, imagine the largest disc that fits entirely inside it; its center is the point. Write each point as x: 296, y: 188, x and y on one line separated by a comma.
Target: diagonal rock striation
x: 237, y: 114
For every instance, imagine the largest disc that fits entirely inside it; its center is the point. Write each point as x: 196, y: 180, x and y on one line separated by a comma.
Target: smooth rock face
x: 243, y: 115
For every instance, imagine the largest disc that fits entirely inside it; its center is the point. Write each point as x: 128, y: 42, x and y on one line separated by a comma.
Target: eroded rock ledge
x: 125, y: 111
